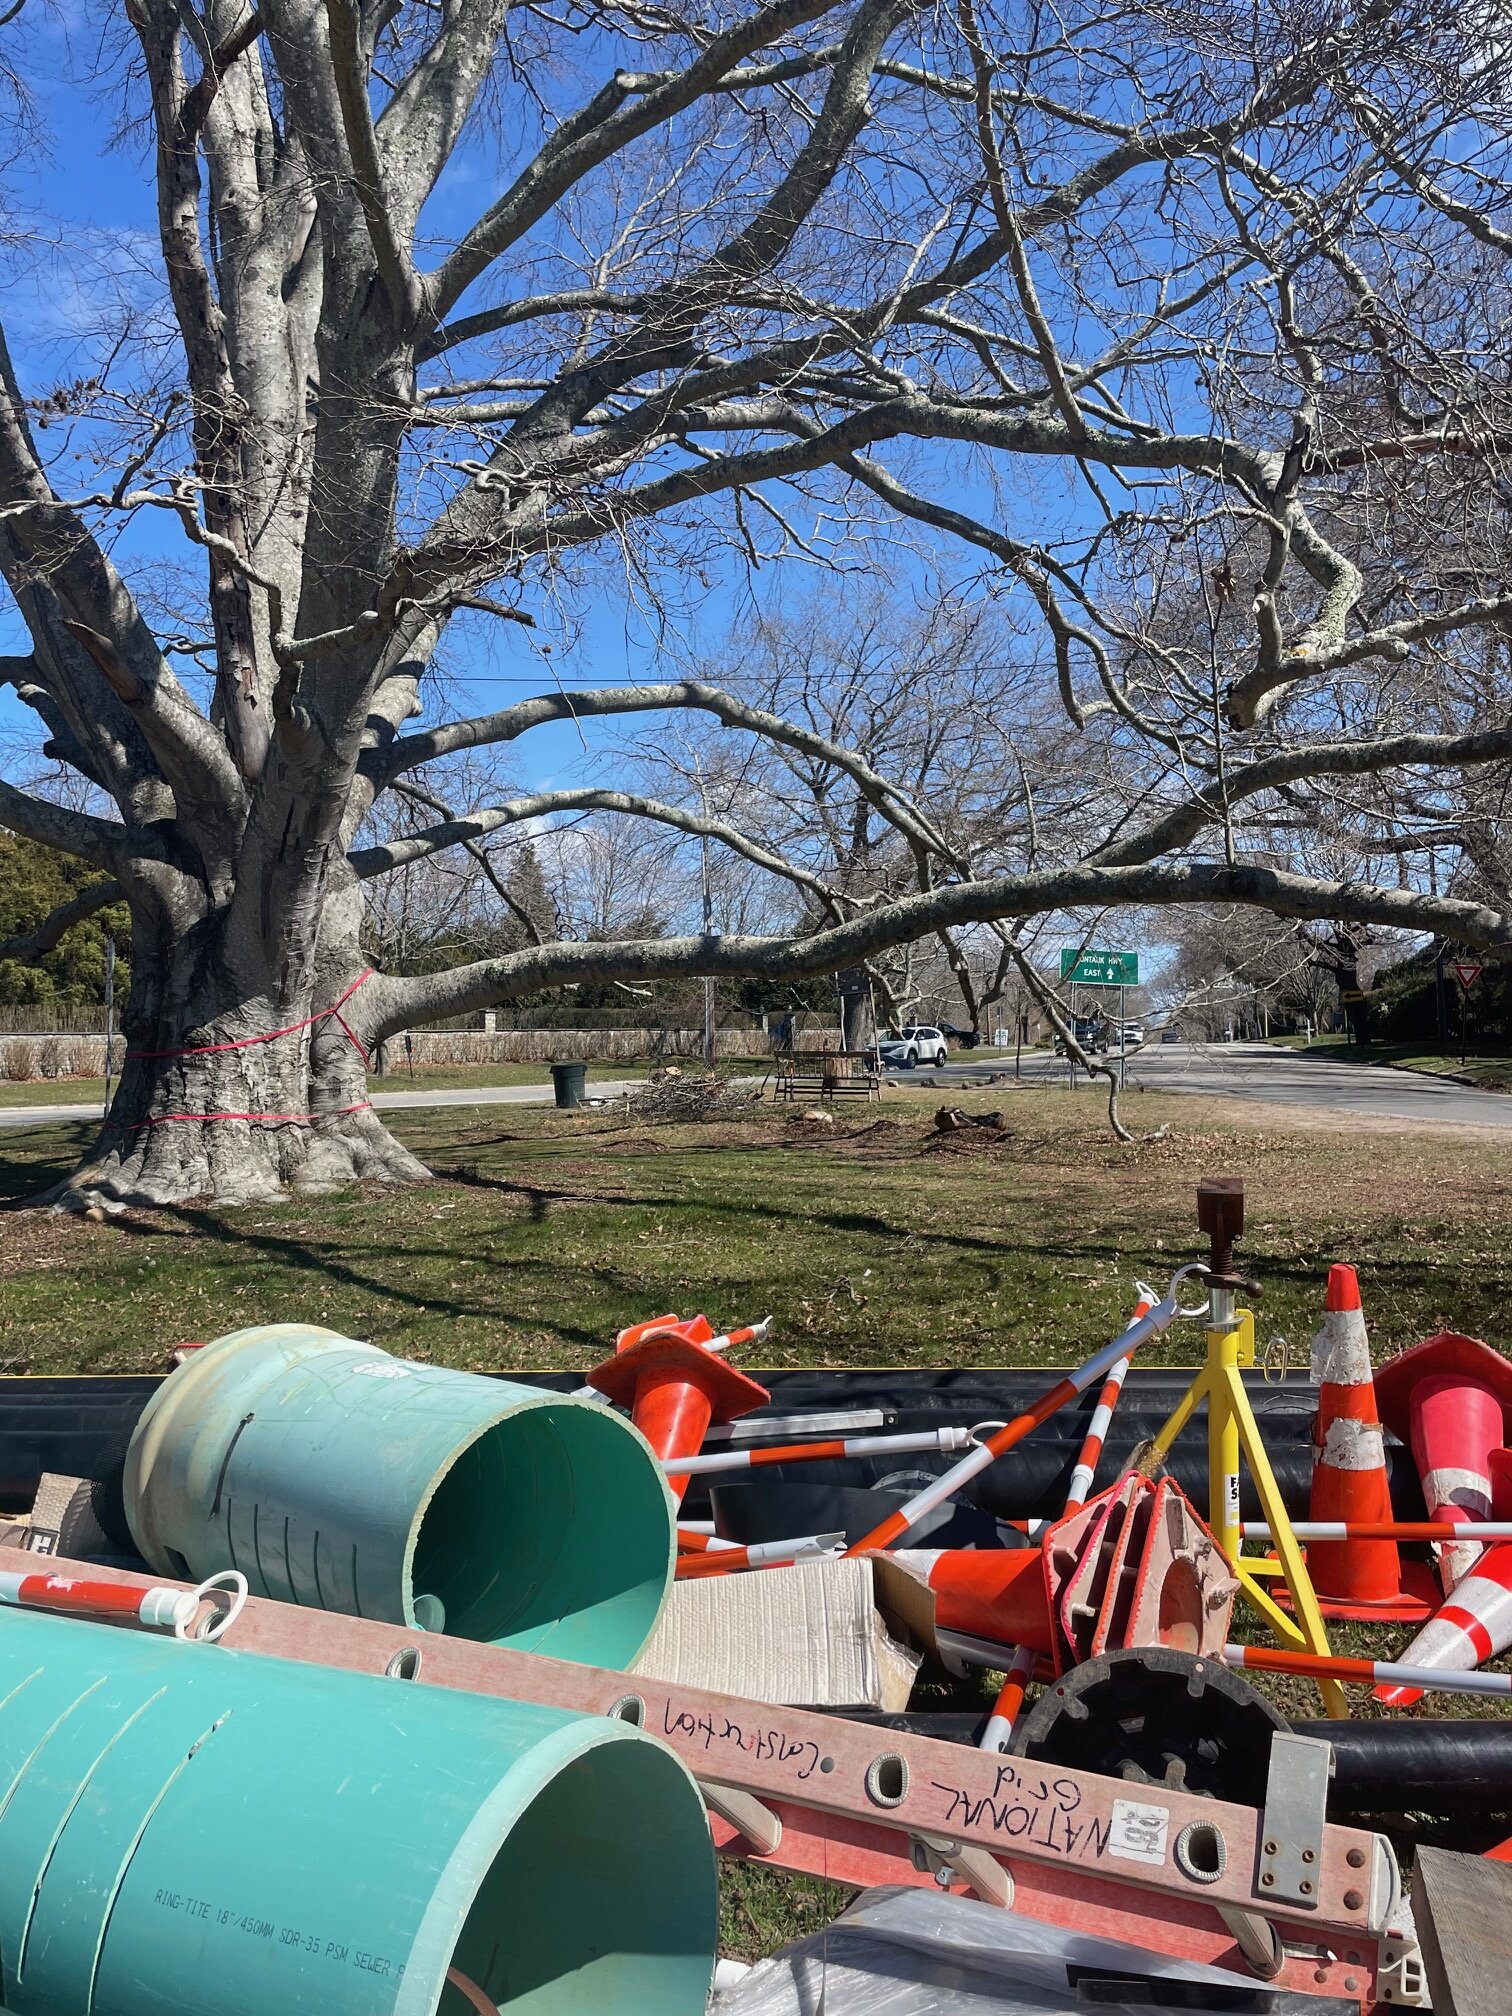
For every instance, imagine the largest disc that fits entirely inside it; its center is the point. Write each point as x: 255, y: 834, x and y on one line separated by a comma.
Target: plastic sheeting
x: 903, y: 1952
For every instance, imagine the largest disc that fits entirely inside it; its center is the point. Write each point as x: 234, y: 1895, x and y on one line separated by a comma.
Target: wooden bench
x: 844, y: 1074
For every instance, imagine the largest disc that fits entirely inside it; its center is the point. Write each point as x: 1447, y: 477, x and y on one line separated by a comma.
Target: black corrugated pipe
x: 1408, y: 1766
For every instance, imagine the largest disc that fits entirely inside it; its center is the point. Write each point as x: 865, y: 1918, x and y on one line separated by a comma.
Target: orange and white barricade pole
x: 1009, y: 1705
x: 1436, y: 1531
x: 1154, y: 1323
x: 939, y: 1441
x: 145, y: 1603
x: 695, y: 1562
x: 1367, y: 1672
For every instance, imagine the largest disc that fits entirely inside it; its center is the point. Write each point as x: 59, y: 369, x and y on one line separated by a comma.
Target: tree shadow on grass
x: 41, y: 1157
x: 325, y: 1262
x: 541, y: 1197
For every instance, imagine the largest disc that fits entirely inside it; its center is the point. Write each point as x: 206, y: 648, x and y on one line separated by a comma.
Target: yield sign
x: 1466, y: 971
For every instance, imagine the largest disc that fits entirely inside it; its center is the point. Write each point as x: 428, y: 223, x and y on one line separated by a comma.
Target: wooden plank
x: 1462, y: 1905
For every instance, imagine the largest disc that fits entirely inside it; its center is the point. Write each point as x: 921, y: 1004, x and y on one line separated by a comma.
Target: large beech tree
x: 1183, y: 326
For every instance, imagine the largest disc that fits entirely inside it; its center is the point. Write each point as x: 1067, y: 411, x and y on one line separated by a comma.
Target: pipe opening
x: 405, y: 1664
x: 430, y: 1613
x: 631, y: 1934
x: 548, y: 1533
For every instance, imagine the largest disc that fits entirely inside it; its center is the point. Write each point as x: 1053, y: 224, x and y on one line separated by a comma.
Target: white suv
x: 914, y: 1045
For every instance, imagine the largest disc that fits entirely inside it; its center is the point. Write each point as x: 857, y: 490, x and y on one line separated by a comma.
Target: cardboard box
x: 810, y: 1636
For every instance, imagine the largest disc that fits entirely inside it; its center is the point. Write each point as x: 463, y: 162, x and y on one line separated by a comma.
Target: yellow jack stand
x: 1232, y: 1430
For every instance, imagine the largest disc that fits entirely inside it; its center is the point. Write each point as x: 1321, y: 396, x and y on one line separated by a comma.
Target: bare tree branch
x: 385, y: 857
x: 44, y: 937
x: 67, y: 832
x: 351, y: 75
x: 396, y: 1003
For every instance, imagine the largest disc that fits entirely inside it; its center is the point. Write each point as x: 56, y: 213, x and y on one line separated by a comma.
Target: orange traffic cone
x: 674, y: 1386
x: 1451, y: 1398
x: 993, y: 1593
x: 1473, y: 1626
x: 1353, y: 1577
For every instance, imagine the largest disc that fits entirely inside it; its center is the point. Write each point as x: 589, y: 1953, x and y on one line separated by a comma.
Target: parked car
x: 964, y: 1039
x: 916, y: 1044
x: 1089, y: 1032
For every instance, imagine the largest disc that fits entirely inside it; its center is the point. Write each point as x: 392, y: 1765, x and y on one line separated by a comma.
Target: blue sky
x: 101, y: 200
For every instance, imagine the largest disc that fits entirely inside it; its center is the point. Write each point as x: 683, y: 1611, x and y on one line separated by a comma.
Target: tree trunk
x: 239, y: 1092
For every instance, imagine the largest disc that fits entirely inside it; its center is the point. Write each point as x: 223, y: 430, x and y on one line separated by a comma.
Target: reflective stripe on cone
x: 1349, y: 1480
x: 1473, y: 1626
x: 1451, y: 1398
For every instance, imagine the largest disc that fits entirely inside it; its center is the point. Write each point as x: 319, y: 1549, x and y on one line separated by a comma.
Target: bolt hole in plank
x: 1201, y: 1852
x: 887, y: 1780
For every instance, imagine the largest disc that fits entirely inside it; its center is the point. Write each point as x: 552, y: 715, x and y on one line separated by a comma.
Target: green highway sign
x: 1099, y: 969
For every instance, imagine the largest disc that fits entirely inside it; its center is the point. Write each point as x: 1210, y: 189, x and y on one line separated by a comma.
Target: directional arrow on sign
x: 1466, y: 971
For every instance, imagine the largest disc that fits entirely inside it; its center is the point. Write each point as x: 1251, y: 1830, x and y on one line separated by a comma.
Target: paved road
x: 475, y: 1095
x: 1224, y: 1070
x: 1276, y: 1077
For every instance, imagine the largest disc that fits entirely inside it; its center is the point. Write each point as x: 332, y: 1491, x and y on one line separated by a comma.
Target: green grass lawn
x: 873, y: 1241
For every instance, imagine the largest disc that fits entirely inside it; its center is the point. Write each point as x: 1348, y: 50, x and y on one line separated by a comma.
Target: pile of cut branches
x: 671, y: 1094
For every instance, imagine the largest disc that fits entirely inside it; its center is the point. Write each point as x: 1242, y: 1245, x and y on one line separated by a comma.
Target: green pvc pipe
x: 187, y: 1831
x: 335, y: 1476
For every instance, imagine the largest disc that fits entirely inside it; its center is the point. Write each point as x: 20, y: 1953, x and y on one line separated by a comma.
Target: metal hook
x: 1192, y: 1267
x: 1277, y: 1355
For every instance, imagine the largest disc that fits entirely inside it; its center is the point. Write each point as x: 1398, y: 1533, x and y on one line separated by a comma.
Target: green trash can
x: 568, y: 1081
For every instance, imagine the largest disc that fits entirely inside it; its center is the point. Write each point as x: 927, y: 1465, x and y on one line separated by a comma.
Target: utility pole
x: 708, y: 925
x: 109, y: 1010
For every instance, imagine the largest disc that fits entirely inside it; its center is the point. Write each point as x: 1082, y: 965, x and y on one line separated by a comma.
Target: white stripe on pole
x: 946, y: 1441
x: 1102, y: 1420
x: 982, y: 1457
x: 1429, y: 1679
x: 998, y: 1732
x: 1340, y: 1529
